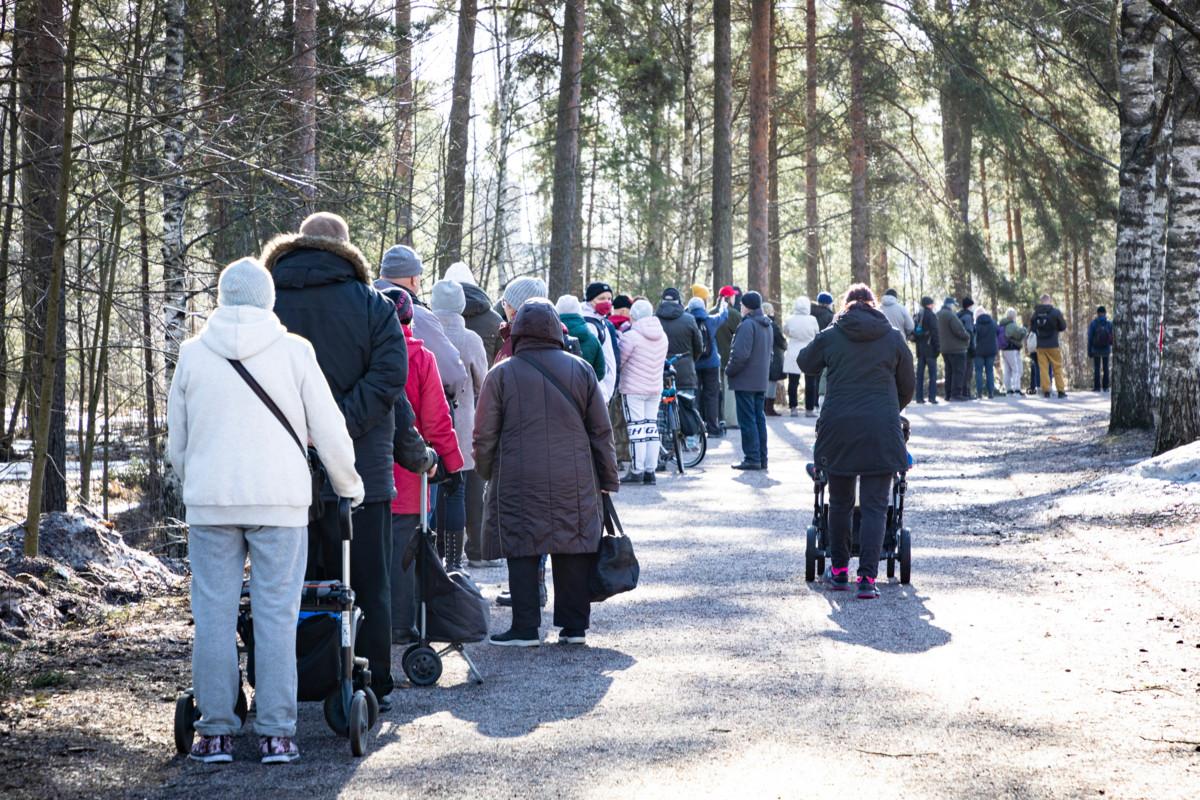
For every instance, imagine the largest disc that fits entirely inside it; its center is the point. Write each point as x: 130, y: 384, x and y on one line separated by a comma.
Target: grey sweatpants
x: 277, y: 559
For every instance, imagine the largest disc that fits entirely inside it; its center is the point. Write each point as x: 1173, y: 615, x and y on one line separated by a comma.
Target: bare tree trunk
x: 1008, y: 223
x: 1134, y: 314
x: 758, y: 262
x: 722, y: 159
x: 687, y: 173
x: 775, y: 291
x: 860, y: 265
x: 10, y: 201
x: 404, y: 122
x: 175, y: 189
x: 1179, y: 414
x: 812, y: 242
x: 566, y: 149
x: 984, y: 208
x: 305, y: 65
x: 450, y: 232
x: 47, y: 43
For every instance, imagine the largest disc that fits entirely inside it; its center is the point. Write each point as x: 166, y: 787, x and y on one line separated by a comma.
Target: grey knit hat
x: 448, y: 295
x: 400, y: 261
x: 522, y: 289
x: 246, y: 283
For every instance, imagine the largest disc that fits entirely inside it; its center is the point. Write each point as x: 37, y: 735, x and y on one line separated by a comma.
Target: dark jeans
x: 752, y: 421
x: 793, y: 390
x: 811, y: 382
x: 474, y: 489
x: 370, y: 563
x: 404, y: 583
x: 926, y: 362
x: 572, y: 600
x: 710, y: 398
x: 874, y: 491
x: 985, y: 365
x: 956, y: 375
x: 1099, y: 364
x: 450, y: 511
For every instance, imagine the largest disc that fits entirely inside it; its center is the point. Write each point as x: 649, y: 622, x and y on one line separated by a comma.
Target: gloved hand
x: 430, y: 461
x: 453, y: 482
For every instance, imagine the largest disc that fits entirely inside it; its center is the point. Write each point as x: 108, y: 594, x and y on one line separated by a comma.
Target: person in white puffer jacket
x: 643, y: 354
x: 247, y: 488
x: 800, y: 329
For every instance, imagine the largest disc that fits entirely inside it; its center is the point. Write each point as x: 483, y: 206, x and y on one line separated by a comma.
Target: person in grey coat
x: 954, y: 341
x: 896, y: 313
x: 870, y: 378
x: 749, y: 376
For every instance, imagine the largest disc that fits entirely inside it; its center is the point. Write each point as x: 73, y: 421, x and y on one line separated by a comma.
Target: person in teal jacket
x: 570, y: 311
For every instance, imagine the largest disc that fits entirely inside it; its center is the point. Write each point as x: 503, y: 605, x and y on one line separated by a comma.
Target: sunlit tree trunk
x: 305, y: 69
x: 776, y: 268
x: 812, y: 242
x: 174, y: 186
x: 722, y: 160
x: 860, y: 263
x: 450, y: 233
x: 403, y: 100
x: 758, y: 264
x: 566, y: 149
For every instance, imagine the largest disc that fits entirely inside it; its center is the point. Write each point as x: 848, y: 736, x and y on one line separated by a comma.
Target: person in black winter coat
x: 749, y: 376
x: 1100, y: 344
x: 1048, y: 322
x: 986, y: 348
x: 925, y: 334
x: 823, y: 310
x: 967, y: 317
x: 683, y: 336
x: 323, y: 293
x: 859, y: 438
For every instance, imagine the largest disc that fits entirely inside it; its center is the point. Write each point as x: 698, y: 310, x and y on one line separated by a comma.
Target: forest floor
x: 1048, y: 646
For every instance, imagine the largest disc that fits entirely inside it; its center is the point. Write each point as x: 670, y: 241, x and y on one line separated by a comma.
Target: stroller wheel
x: 372, y: 707
x: 810, y: 555
x: 422, y: 665
x: 359, y: 724
x: 335, y: 712
x: 185, y: 722
x: 905, y: 555
x: 891, y: 566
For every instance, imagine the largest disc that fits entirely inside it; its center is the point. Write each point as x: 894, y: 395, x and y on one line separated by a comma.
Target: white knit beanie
x: 568, y: 304
x: 641, y: 309
x: 447, y: 295
x: 460, y: 272
x: 522, y: 289
x: 246, y: 283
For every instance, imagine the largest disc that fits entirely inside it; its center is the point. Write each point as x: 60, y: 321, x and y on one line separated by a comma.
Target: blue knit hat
x: 824, y: 298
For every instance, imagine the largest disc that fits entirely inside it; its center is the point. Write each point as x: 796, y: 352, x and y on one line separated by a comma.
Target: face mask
x: 603, y: 307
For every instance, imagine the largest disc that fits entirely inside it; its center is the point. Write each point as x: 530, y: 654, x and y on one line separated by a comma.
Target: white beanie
x: 460, y: 272
x: 246, y: 283
x: 568, y: 304
x: 448, y: 295
x: 641, y: 309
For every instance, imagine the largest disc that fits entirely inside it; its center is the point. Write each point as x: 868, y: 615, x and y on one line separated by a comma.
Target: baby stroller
x: 897, y: 539
x: 450, y: 608
x: 326, y: 667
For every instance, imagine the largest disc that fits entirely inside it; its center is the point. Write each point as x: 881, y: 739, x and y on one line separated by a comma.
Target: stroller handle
x: 345, y: 524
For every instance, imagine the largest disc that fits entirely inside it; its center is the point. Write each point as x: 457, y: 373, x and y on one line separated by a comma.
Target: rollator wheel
x: 422, y: 665
x: 185, y: 722
x: 372, y: 707
x: 242, y: 707
x: 335, y: 712
x: 905, y: 555
x: 891, y: 566
x: 810, y: 555
x: 360, y: 729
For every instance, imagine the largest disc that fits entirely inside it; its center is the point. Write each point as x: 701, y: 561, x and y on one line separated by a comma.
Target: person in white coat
x: 247, y: 488
x: 800, y: 329
x: 896, y: 313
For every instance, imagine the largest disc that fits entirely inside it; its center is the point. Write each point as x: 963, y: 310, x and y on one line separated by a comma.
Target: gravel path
x: 1027, y: 658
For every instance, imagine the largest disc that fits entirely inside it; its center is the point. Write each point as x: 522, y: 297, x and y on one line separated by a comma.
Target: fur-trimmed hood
x: 285, y: 247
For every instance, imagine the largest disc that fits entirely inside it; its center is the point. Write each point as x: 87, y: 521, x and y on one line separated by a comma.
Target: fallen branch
x: 1154, y: 688
x: 892, y: 755
x: 1169, y: 741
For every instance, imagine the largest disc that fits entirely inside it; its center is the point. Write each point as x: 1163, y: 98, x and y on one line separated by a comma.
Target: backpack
x: 920, y: 331
x: 599, y: 326
x: 1043, y: 323
x: 1103, y: 336
x: 708, y: 340
x: 1015, y: 333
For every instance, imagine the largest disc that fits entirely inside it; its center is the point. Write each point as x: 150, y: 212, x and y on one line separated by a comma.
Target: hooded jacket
x: 1051, y: 325
x: 967, y: 317
x: 428, y: 329
x: 953, y: 338
x: 471, y: 350
x: 322, y: 293
x: 928, y: 341
x: 897, y: 314
x: 433, y: 420
x: 588, y: 343
x: 607, y: 334
x: 800, y: 328
x: 709, y: 324
x: 986, y: 345
x: 643, y: 354
x: 481, y: 319
x: 823, y: 314
x: 238, y: 464
x: 869, y: 380
x: 545, y: 456
x: 1099, y: 323
x: 749, y: 367
x: 683, y: 337
x: 727, y: 330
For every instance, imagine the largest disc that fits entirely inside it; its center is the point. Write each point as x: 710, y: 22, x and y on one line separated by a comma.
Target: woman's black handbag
x: 316, y: 470
x: 615, y: 568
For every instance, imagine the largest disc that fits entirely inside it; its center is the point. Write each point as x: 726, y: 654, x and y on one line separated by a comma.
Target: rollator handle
x: 345, y: 523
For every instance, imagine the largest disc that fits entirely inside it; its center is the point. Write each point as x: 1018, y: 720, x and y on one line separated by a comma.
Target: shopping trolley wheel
x: 810, y: 555
x: 242, y: 707
x: 422, y: 665
x: 335, y: 712
x: 891, y: 566
x: 185, y: 722
x: 372, y: 707
x: 360, y: 728
x: 905, y: 555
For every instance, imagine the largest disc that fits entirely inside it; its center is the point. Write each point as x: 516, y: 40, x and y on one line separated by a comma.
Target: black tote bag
x: 615, y: 568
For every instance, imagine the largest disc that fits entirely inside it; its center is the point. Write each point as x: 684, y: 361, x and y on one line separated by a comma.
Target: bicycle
x: 686, y: 450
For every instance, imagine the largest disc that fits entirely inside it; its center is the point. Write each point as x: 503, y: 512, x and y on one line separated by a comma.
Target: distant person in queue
x: 870, y: 379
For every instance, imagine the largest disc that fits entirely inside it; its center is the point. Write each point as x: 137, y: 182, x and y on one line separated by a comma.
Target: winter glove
x: 430, y: 461
x: 453, y: 482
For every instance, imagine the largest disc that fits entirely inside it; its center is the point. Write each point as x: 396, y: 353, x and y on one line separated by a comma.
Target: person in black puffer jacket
x: 870, y: 378
x: 986, y: 349
x: 683, y: 336
x: 323, y: 293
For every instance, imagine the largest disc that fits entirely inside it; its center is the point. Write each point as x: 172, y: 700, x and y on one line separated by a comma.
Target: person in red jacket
x: 433, y: 421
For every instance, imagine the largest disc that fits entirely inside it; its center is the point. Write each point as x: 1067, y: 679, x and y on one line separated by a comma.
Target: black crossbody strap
x: 268, y: 402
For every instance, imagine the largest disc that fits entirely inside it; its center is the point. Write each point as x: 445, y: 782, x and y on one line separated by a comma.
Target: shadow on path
x: 899, y: 622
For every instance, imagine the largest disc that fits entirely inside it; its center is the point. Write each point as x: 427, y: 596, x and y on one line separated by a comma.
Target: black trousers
x: 926, y: 361
x: 572, y: 600
x: 404, y: 581
x: 475, y: 488
x: 710, y: 397
x: 1099, y: 365
x: 956, y: 375
x: 874, y: 491
x: 370, y: 576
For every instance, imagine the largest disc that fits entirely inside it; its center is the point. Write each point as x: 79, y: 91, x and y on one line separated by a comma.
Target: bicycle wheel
x: 676, y: 437
x: 695, y: 446
x: 666, y: 435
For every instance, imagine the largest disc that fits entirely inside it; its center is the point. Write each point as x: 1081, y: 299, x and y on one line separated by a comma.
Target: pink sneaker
x: 866, y: 588
x: 277, y: 749
x: 212, y: 750
x: 838, y: 579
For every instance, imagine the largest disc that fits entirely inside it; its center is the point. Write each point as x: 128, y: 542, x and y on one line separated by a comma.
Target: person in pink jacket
x: 643, y: 354
x: 433, y: 421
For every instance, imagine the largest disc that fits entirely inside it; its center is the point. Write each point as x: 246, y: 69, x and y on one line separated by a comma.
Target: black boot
x: 454, y: 551
x: 542, y: 585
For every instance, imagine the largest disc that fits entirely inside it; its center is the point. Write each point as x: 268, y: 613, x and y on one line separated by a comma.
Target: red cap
x: 727, y: 291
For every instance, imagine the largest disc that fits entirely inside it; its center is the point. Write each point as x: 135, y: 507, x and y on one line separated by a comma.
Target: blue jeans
x: 752, y: 422
x: 985, y: 364
x: 926, y: 362
x: 450, y: 508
